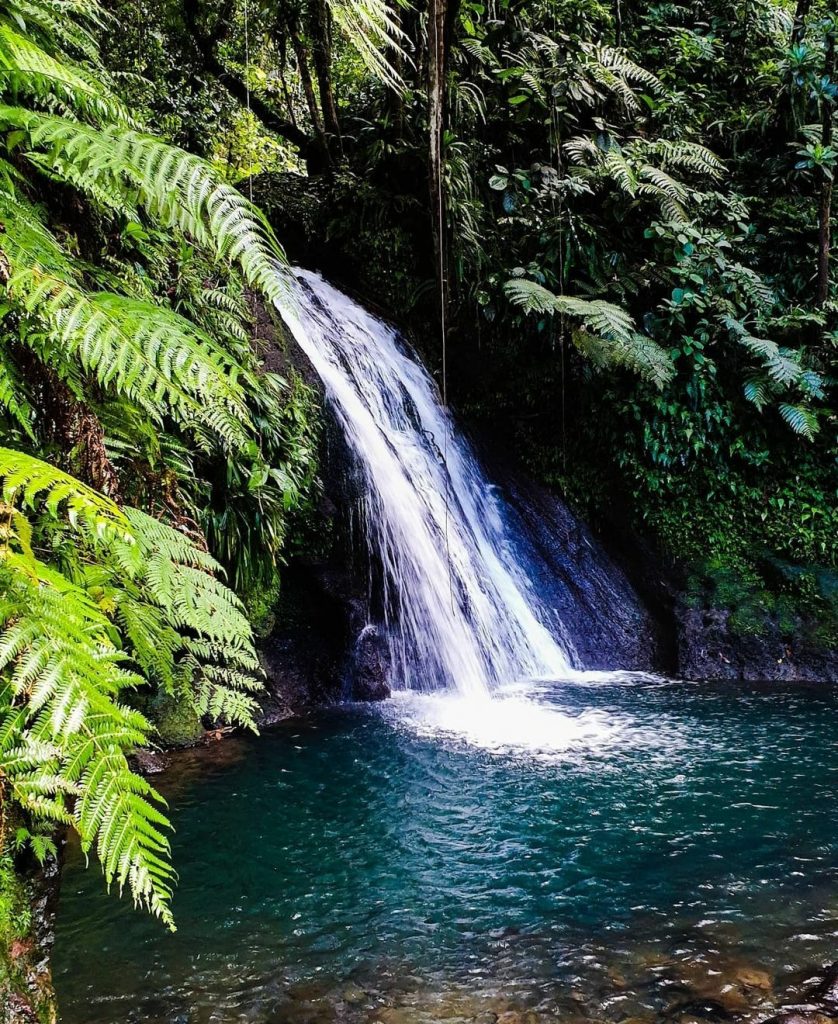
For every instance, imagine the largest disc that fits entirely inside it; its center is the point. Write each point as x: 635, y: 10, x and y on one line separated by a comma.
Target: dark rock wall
x: 620, y: 601
x: 709, y: 648
x: 608, y: 620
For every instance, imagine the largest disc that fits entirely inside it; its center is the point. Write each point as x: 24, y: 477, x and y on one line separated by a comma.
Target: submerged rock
x: 149, y: 762
x: 354, y: 996
x: 753, y: 978
x: 827, y: 991
x: 800, y: 1017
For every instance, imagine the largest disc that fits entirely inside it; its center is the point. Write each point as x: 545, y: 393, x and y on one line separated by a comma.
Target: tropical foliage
x: 633, y: 249
x: 133, y: 410
x: 630, y: 238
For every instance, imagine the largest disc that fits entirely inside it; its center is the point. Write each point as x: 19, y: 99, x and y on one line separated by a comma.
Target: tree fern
x: 177, y: 188
x: 97, y: 599
x: 136, y: 601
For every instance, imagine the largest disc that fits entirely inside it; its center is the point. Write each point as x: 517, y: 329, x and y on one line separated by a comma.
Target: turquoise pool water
x: 600, y: 850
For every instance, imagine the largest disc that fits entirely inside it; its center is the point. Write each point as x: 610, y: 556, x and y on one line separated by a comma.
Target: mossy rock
x: 176, y: 722
x: 26, y: 994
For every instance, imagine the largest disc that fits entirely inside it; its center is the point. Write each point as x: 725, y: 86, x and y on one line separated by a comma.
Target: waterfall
x: 461, y: 611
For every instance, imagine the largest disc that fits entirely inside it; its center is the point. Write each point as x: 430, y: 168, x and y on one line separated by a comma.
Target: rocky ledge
x: 710, y: 648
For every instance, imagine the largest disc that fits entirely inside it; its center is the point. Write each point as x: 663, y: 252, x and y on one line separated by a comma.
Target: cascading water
x: 462, y: 613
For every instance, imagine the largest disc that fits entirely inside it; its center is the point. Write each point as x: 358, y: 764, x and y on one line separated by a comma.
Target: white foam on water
x: 520, y: 722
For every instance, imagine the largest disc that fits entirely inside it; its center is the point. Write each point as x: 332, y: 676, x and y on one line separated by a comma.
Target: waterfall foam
x: 460, y: 608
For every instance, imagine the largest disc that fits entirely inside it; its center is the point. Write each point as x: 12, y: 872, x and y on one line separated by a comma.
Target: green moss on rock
x: 176, y: 722
x: 26, y: 995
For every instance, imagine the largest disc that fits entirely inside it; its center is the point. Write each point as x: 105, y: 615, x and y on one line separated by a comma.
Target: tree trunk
x: 827, y: 182
x: 321, y: 49
x: 205, y: 45
x: 799, y: 26
x: 301, y: 56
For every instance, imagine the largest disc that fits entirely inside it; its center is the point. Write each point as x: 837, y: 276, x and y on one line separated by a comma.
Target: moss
x: 25, y: 992
x: 176, y: 722
x: 15, y: 913
x: 261, y: 607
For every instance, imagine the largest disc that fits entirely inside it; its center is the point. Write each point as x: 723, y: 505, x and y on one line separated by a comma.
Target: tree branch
x: 205, y: 44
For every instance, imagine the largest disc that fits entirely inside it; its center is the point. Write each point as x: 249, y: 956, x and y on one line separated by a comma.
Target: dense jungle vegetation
x: 624, y: 211
x: 629, y: 208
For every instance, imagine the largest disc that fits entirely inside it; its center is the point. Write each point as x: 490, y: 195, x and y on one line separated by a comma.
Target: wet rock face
x: 370, y: 668
x: 708, y: 648
x: 26, y: 992
x: 610, y: 623
x: 304, y: 656
x: 323, y: 648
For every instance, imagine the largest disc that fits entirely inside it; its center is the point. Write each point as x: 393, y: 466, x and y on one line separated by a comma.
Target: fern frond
x: 13, y: 395
x: 664, y: 182
x: 801, y: 419
x: 68, y: 741
x: 759, y: 293
x: 480, y: 52
x: 147, y: 352
x: 621, y: 64
x: 686, y: 156
x: 610, y: 337
x: 758, y: 390
x: 178, y: 189
x: 374, y: 34
x: 580, y: 150
x: 619, y: 169
x: 782, y: 368
x: 183, y: 581
x: 35, y: 484
x: 64, y: 24
x: 28, y: 70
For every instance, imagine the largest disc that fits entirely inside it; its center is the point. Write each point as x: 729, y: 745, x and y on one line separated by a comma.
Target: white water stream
x: 461, y: 610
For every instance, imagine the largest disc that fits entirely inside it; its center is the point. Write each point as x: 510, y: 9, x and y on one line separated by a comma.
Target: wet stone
x: 751, y: 977
x: 800, y: 1017
x: 828, y: 990
x: 397, y: 1015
